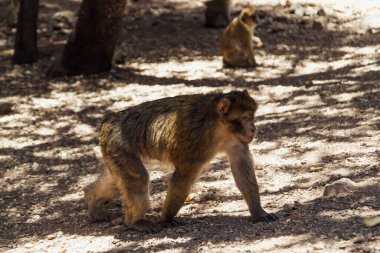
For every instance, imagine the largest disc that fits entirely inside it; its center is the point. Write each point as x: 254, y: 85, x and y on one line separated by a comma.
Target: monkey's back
x: 158, y: 129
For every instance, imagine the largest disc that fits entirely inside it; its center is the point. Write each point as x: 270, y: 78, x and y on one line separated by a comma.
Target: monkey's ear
x: 245, y: 92
x: 246, y: 12
x: 223, y: 105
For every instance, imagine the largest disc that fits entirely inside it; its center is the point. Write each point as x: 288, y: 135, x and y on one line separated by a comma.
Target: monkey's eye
x: 247, y: 118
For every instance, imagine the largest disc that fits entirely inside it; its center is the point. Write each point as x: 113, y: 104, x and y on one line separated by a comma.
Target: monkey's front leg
x: 244, y: 174
x: 132, y: 180
x: 256, y: 41
x: 179, y: 187
x: 248, y: 49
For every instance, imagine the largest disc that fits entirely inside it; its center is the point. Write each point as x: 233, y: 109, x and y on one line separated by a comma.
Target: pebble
x: 299, y: 11
x: 359, y: 239
x: 35, y: 166
x: 28, y: 245
x: 367, y: 249
x: 310, y: 11
x: 118, y: 221
x: 295, y: 216
x: 180, y: 230
x: 318, y: 24
x: 5, y: 108
x: 51, y: 236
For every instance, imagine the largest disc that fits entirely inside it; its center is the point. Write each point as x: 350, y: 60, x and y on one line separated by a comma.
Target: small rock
x: 118, y: 221
x: 321, y: 12
x: 6, y: 108
x: 299, y: 11
x: 367, y: 249
x: 63, y: 20
x: 359, y: 239
x: 180, y: 230
x: 105, y: 225
x: 283, y: 47
x: 318, y: 24
x: 310, y: 11
x: 28, y: 245
x: 35, y: 166
x: 51, y: 236
x: 318, y: 246
x: 63, y: 155
x: 278, y: 27
x: 343, y: 185
x: 372, y: 222
x: 295, y: 216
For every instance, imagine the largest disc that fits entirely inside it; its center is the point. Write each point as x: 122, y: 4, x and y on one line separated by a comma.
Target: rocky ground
x: 318, y: 87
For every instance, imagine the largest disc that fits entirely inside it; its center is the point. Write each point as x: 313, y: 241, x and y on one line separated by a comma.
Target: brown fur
x: 187, y: 131
x: 237, y: 41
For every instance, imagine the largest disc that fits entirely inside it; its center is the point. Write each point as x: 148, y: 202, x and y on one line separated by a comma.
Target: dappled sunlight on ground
x: 318, y: 93
x: 67, y: 243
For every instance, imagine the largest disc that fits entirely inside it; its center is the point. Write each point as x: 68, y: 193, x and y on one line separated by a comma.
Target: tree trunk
x: 25, y: 47
x: 91, y: 45
x: 217, y: 13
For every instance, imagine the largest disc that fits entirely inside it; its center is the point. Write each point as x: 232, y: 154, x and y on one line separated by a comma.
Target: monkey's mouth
x: 246, y: 139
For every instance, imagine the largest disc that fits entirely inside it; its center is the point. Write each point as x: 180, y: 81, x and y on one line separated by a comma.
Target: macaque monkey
x: 238, y: 41
x: 187, y: 131
x: 217, y: 13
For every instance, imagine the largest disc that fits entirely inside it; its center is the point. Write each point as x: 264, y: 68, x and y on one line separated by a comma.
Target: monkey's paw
x: 145, y: 226
x: 265, y: 217
x: 98, y: 215
x: 171, y: 222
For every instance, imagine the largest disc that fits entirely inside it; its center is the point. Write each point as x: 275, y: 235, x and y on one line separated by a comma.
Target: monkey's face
x: 237, y: 111
x: 249, y: 17
x: 242, y: 126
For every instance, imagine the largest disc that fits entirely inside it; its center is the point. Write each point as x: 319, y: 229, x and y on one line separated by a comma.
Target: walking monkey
x: 188, y: 131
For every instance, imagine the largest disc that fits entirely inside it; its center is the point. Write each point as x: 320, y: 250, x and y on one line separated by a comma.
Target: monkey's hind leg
x: 237, y: 59
x: 179, y: 188
x: 226, y: 64
x: 98, y: 194
x: 132, y: 180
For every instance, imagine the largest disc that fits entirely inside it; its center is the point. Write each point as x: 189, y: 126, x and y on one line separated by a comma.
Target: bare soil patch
x: 318, y: 87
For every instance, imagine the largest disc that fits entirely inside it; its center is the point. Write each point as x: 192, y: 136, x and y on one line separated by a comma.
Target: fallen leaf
x: 314, y: 169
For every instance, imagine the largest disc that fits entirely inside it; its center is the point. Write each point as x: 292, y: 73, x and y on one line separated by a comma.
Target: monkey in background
x: 238, y: 41
x: 187, y: 131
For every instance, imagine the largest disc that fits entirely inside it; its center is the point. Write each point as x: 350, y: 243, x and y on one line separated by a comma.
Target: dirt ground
x: 318, y: 88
